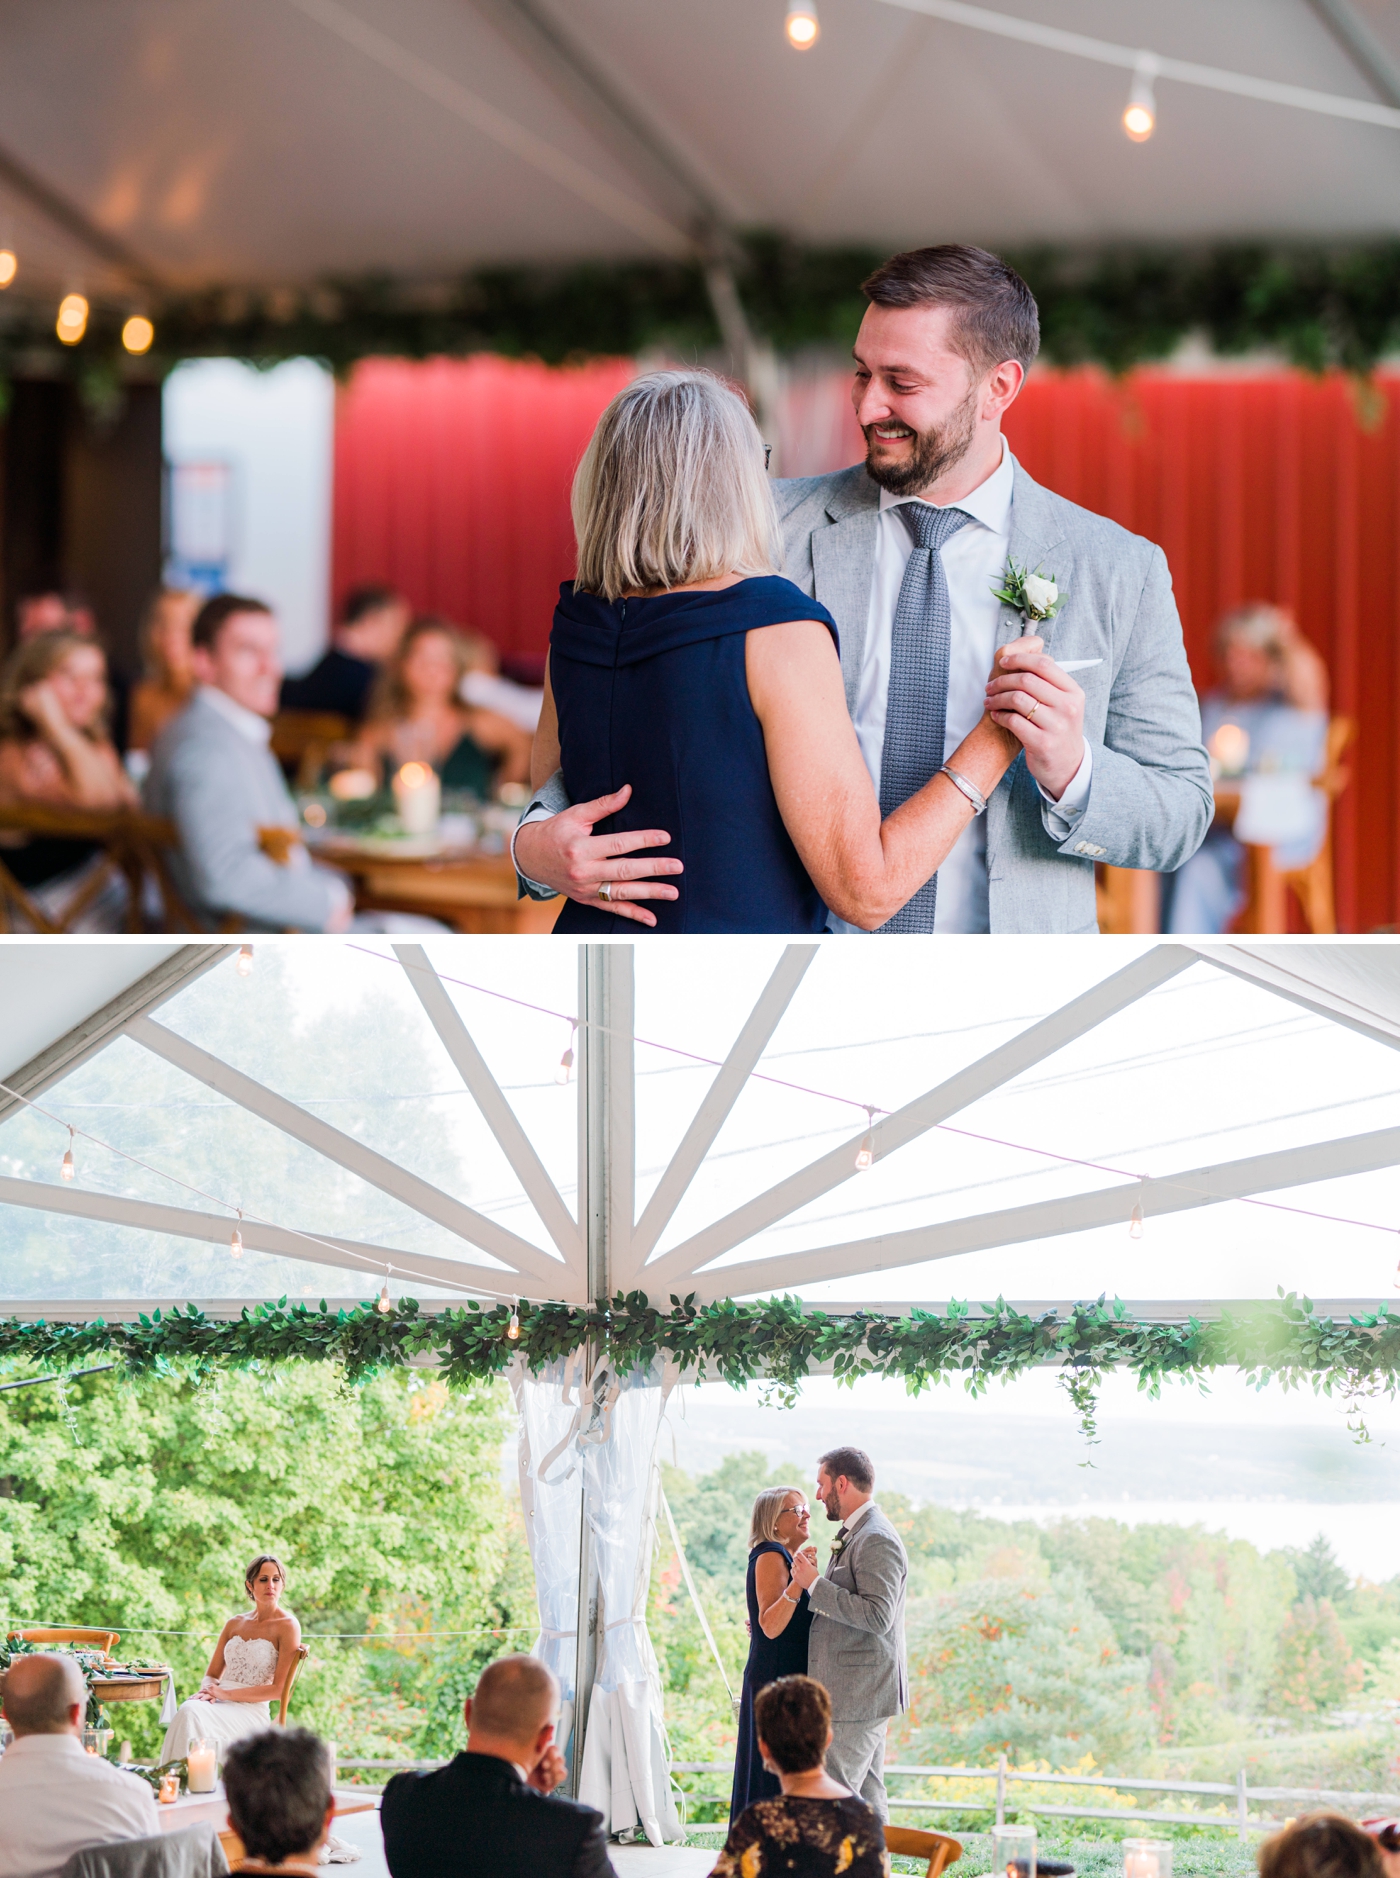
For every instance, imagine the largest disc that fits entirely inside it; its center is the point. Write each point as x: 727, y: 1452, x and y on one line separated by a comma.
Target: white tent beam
x: 1301, y: 977
x: 95, y: 1032
x: 372, y: 1261
x: 999, y: 1066
x: 1049, y: 1219
x: 375, y: 1169
x: 714, y: 1111
x: 130, y: 1310
x: 499, y: 1116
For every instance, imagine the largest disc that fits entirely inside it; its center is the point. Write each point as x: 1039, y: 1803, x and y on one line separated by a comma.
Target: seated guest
x: 168, y: 676
x: 49, y: 611
x: 247, y: 1672
x: 1386, y: 1833
x: 818, y: 1828
x: 485, y: 685
x: 1268, y: 718
x: 278, y: 1787
x: 56, y: 1799
x: 54, y: 749
x: 213, y: 775
x: 490, y: 1811
x: 372, y: 623
x: 415, y: 715
x: 1321, y: 1845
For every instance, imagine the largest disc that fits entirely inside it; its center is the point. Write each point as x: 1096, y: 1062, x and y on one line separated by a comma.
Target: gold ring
x: 1032, y: 711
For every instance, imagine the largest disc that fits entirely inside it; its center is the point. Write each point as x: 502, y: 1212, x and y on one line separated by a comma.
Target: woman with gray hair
x: 778, y: 1626
x: 700, y: 693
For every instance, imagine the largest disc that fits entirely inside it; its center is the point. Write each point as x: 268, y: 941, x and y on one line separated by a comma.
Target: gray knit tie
x: 916, y: 707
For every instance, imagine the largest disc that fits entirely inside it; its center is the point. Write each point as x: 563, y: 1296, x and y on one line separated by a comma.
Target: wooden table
x: 470, y: 892
x: 131, y: 1688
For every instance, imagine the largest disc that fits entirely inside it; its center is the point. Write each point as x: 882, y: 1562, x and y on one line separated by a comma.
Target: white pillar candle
x: 201, y: 1767
x: 418, y: 798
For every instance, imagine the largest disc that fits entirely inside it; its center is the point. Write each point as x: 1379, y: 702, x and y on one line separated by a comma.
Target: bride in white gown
x: 247, y: 1672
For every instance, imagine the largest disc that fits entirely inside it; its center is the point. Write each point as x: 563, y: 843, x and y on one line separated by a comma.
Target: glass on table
x: 1013, y: 1851
x: 169, y: 1790
x: 1147, y: 1858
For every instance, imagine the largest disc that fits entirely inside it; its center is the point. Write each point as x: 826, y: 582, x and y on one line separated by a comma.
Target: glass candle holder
x: 1013, y: 1852
x: 169, y: 1789
x: 89, y: 1740
x: 1147, y: 1858
x: 201, y: 1768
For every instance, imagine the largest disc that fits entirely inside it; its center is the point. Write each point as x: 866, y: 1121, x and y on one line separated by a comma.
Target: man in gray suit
x: 907, y: 550
x: 214, y: 776
x: 856, y: 1646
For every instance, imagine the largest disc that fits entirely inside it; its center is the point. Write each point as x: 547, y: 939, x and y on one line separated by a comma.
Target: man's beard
x: 933, y: 455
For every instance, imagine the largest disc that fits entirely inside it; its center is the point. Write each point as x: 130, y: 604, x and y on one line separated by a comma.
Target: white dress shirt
x: 57, y: 1799
x: 974, y: 561
x: 247, y: 723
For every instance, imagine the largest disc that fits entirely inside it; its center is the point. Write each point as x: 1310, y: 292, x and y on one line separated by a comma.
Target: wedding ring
x: 1034, y: 708
x: 605, y: 890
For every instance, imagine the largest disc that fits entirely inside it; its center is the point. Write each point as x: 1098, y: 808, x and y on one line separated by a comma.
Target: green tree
x: 1316, y: 1570
x: 1315, y: 1668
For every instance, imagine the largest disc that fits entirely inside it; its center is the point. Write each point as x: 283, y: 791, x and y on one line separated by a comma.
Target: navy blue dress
x: 769, y: 1658
x: 654, y: 693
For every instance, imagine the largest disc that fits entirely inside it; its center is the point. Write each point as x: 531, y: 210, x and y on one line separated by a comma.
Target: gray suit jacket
x: 194, y: 1852
x: 856, y: 1645
x: 219, y: 789
x: 1150, y: 802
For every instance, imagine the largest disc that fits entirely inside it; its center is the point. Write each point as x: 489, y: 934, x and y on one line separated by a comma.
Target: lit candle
x: 169, y: 1789
x: 1147, y: 1858
x: 200, y: 1765
x: 418, y: 798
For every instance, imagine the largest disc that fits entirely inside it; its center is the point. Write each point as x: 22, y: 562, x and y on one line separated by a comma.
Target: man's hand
x: 804, y: 1568
x: 565, y: 854
x: 1043, y: 709
x: 549, y: 1771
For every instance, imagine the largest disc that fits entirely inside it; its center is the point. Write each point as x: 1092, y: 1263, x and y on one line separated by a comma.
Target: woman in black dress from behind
x: 778, y: 1626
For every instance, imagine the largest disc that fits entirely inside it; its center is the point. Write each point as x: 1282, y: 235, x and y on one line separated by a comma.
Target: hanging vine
x: 778, y: 1342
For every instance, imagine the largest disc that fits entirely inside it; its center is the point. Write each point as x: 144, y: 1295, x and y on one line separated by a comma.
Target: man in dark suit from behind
x: 491, y: 1812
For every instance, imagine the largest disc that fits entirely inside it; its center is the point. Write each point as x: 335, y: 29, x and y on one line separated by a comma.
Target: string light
x: 1136, y: 1225
x: 802, y: 27
x: 566, y: 1061
x: 72, y: 318
x: 1140, y: 116
x: 513, y: 1327
x: 866, y: 1158
x: 235, y: 1244
x: 138, y: 334
x: 68, y: 1171
x: 384, y: 1303
x: 9, y: 266
x: 244, y: 962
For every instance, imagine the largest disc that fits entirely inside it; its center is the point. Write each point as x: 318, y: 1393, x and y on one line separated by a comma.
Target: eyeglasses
x: 767, y: 454
x: 798, y: 1512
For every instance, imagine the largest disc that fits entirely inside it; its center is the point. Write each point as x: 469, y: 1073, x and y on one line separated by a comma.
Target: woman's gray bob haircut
x: 767, y: 1508
x: 672, y: 489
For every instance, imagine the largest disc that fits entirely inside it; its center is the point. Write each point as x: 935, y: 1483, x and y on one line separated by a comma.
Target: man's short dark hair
x: 997, y: 315
x: 215, y: 614
x: 278, y: 1787
x: 854, y: 1463
x: 368, y: 598
x: 1320, y: 1845
x: 792, y: 1718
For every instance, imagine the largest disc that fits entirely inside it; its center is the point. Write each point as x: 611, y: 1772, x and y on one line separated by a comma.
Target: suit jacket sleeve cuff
x: 550, y: 800
x: 1060, y: 817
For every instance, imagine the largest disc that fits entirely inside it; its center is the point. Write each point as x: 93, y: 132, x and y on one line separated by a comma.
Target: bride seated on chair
x: 247, y: 1672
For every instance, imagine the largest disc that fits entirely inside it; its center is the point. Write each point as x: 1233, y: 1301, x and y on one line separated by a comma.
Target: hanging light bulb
x: 72, y: 318
x: 802, y: 27
x: 9, y: 266
x: 235, y: 1244
x: 866, y: 1158
x: 68, y: 1171
x: 384, y: 1303
x: 244, y: 962
x: 513, y: 1327
x: 138, y: 334
x: 566, y: 1061
x: 1135, y: 1221
x: 1140, y: 116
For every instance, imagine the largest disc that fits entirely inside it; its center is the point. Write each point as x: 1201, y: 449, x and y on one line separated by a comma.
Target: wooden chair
x: 303, y: 1651
x: 1127, y: 899
x: 302, y: 739
x: 134, y: 844
x: 913, y: 1842
x: 106, y: 1640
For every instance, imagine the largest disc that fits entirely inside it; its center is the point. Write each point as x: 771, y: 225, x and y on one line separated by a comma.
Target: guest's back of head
x: 278, y: 1787
x: 672, y: 489
x: 1321, y: 1845
x: 792, y: 1718
x: 514, y: 1698
x: 39, y: 1691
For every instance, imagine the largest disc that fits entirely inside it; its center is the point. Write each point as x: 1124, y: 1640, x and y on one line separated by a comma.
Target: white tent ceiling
x: 281, y: 140
x: 397, y: 1114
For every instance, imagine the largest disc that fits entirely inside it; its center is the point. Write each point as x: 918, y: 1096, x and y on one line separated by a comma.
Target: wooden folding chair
x: 303, y: 1651
x: 301, y: 741
x: 134, y: 844
x: 913, y: 1842
x: 86, y: 1639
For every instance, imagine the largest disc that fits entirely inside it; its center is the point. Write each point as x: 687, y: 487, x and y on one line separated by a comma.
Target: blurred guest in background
x: 371, y: 625
x: 45, y: 612
x: 168, y: 675
x: 1320, y: 1845
x: 48, y: 610
x: 55, y: 749
x: 415, y: 716
x: 484, y: 685
x: 1265, y: 728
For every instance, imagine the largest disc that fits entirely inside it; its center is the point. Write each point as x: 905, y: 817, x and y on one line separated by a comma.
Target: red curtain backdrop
x: 452, y: 479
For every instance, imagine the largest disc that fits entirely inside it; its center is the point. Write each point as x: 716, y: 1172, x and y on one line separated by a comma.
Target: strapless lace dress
x: 248, y: 1661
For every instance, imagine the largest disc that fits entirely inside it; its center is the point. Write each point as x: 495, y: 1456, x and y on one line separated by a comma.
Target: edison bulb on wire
x: 384, y: 1303
x: 513, y: 1327
x: 1135, y: 1221
x: 865, y: 1159
x: 138, y: 334
x: 566, y: 1061
x: 68, y: 1171
x: 802, y: 26
x: 1140, y: 112
x: 9, y: 266
x: 72, y: 318
x: 235, y: 1244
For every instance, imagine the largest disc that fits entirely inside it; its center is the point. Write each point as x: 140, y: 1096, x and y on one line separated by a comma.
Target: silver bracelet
x: 969, y: 789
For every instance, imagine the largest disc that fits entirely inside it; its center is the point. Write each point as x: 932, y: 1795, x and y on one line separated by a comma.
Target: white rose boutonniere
x: 837, y: 1547
x: 1036, y: 596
